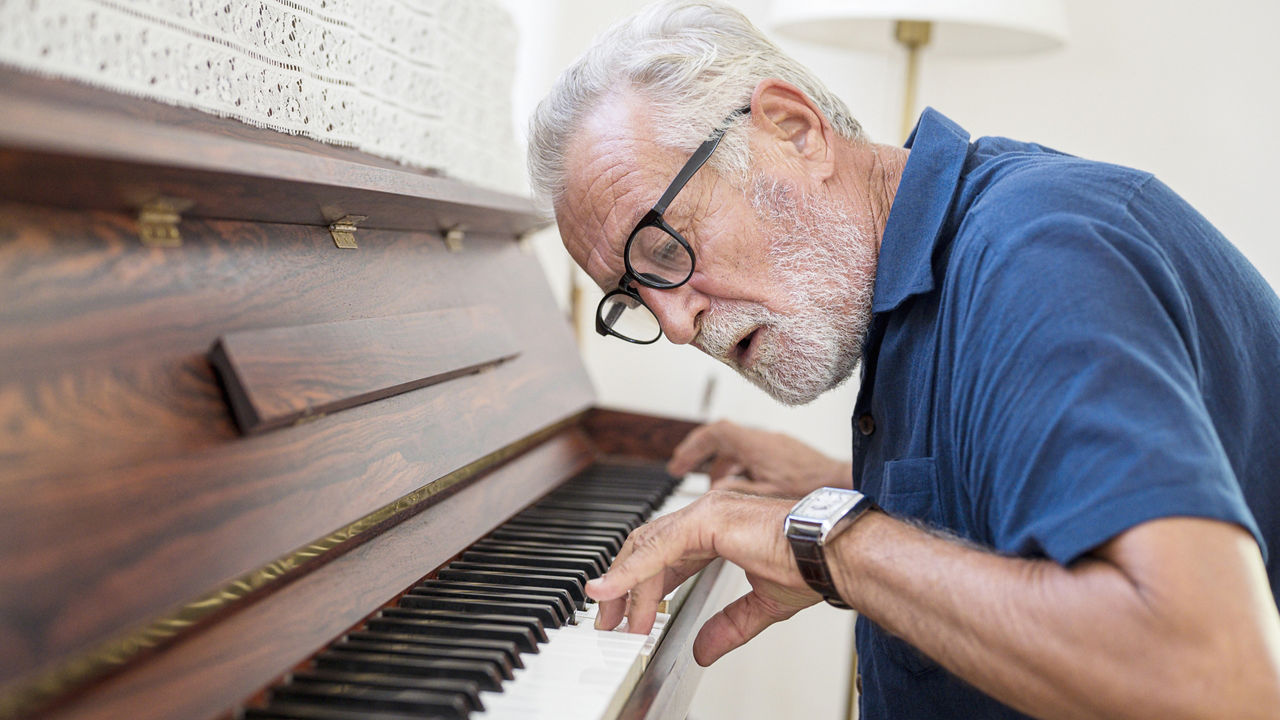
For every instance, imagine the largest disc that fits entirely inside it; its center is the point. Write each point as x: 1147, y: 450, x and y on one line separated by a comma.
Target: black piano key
x: 304, y: 711
x: 622, y: 509
x: 560, y: 597
x: 523, y: 639
x: 577, y: 577
x: 365, y: 697
x: 586, y: 567
x: 532, y: 624
x: 595, y: 561
x: 567, y: 530
x: 627, y: 515
x: 530, y: 579
x: 627, y: 474
x: 544, y: 614
x: 645, y: 501
x: 481, y: 673
x: 505, y: 648
x: 617, y: 531
x: 495, y: 657
x: 627, y: 522
x: 607, y: 543
x: 551, y: 605
x: 467, y: 689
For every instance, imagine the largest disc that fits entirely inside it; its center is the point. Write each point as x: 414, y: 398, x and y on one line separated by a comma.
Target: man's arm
x: 756, y: 461
x: 1170, y: 619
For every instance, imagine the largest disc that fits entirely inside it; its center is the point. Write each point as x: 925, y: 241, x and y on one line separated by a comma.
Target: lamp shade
x: 967, y: 27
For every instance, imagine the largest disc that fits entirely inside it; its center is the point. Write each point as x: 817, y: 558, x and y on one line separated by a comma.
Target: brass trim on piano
x: 114, y: 654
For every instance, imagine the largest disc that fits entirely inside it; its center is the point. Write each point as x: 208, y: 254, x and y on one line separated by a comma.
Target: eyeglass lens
x: 630, y: 318
x: 658, y: 259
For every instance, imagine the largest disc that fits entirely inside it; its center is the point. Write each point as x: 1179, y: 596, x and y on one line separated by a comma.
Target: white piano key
x: 580, y: 674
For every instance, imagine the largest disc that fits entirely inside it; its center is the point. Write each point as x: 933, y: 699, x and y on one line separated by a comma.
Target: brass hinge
x: 158, y: 222
x: 344, y: 230
x: 453, y: 239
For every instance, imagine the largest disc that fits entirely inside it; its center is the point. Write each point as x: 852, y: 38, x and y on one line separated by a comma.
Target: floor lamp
x: 946, y: 27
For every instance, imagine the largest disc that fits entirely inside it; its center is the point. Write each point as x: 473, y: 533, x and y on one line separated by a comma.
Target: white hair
x: 693, y: 63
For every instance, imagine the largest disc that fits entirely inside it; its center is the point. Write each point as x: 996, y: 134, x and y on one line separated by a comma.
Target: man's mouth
x: 742, y: 350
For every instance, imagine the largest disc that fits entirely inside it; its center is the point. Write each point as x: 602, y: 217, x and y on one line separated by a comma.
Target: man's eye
x: 667, y: 251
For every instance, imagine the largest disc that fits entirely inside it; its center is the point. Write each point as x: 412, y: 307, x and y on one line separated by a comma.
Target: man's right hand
x: 756, y: 461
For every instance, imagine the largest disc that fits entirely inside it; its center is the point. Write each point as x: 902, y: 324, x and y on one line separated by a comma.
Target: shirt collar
x: 920, y: 207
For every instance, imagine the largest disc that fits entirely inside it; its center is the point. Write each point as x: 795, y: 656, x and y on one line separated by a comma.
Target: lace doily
x: 423, y: 82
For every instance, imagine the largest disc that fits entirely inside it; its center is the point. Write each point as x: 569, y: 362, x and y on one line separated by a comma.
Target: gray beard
x: 826, y: 262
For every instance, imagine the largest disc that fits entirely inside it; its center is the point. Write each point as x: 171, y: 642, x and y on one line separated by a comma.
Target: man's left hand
x: 745, y: 530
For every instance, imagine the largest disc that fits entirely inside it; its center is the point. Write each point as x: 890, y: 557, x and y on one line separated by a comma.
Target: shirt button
x: 866, y: 424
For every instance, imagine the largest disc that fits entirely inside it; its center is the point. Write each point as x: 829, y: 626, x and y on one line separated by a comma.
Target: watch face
x: 823, y: 501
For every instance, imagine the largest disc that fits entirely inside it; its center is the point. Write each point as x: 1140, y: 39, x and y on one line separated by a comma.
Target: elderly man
x: 1066, y: 451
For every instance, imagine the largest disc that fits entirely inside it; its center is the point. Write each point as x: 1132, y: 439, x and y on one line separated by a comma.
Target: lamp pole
x: 912, y: 34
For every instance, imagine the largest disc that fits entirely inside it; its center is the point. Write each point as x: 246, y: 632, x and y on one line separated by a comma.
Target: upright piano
x: 282, y: 424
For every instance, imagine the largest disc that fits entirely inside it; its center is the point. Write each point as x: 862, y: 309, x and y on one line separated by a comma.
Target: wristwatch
x: 816, y: 520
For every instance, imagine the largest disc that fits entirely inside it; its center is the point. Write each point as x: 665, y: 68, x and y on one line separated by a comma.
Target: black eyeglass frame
x: 654, y: 218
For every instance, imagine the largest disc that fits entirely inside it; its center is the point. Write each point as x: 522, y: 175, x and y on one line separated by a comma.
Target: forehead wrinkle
x: 620, y: 170
x: 613, y: 200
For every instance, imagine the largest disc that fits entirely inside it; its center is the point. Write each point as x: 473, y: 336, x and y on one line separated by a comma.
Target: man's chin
x: 793, y: 394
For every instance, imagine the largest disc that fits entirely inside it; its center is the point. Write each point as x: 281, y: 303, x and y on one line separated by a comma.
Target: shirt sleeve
x: 1076, y: 411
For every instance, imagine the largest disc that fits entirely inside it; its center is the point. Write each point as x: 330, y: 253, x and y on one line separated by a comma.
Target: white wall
x: 1186, y: 89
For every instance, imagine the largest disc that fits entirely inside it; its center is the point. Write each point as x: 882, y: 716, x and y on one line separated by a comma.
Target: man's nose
x: 678, y: 310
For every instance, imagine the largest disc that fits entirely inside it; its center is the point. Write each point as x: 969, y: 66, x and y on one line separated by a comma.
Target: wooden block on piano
x: 280, y: 376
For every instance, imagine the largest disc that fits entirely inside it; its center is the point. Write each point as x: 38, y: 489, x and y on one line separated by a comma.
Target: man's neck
x: 868, y: 180
x: 885, y: 174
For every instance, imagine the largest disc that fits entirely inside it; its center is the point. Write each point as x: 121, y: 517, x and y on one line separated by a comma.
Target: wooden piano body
x: 170, y: 545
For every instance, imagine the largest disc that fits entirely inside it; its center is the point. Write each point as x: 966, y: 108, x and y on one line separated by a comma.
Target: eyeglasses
x: 656, y: 255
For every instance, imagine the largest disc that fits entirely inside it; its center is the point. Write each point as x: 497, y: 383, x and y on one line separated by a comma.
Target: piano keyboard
x: 506, y: 629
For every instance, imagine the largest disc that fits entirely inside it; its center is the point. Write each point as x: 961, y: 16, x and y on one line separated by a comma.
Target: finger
x: 694, y: 450
x: 610, y: 612
x: 701, y: 445
x: 611, y: 608
x: 724, y: 466
x: 642, y: 604
x: 733, y: 626
x: 647, y: 552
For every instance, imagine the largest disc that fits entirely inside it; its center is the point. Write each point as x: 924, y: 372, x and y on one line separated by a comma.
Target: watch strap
x: 813, y: 568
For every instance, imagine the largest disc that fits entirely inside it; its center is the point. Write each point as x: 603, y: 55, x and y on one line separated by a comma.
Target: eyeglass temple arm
x: 612, y: 316
x: 697, y: 160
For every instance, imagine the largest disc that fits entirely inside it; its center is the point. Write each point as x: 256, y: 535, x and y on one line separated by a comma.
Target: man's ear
x: 790, y: 133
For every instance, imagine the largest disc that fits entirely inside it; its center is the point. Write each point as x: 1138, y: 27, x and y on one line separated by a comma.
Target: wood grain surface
x: 75, y: 146
x: 204, y: 675
x: 275, y: 377
x: 126, y: 489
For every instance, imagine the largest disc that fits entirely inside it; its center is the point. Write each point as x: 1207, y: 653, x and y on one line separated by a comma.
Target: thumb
x: 733, y: 626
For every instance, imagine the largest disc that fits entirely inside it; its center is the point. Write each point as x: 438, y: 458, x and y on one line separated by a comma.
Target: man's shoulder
x: 1011, y: 188
x: 1015, y: 196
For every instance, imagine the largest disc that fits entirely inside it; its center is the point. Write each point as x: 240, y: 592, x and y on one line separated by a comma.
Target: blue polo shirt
x: 1060, y: 350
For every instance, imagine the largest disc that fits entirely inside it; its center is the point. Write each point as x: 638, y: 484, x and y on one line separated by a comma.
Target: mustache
x: 724, y: 324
